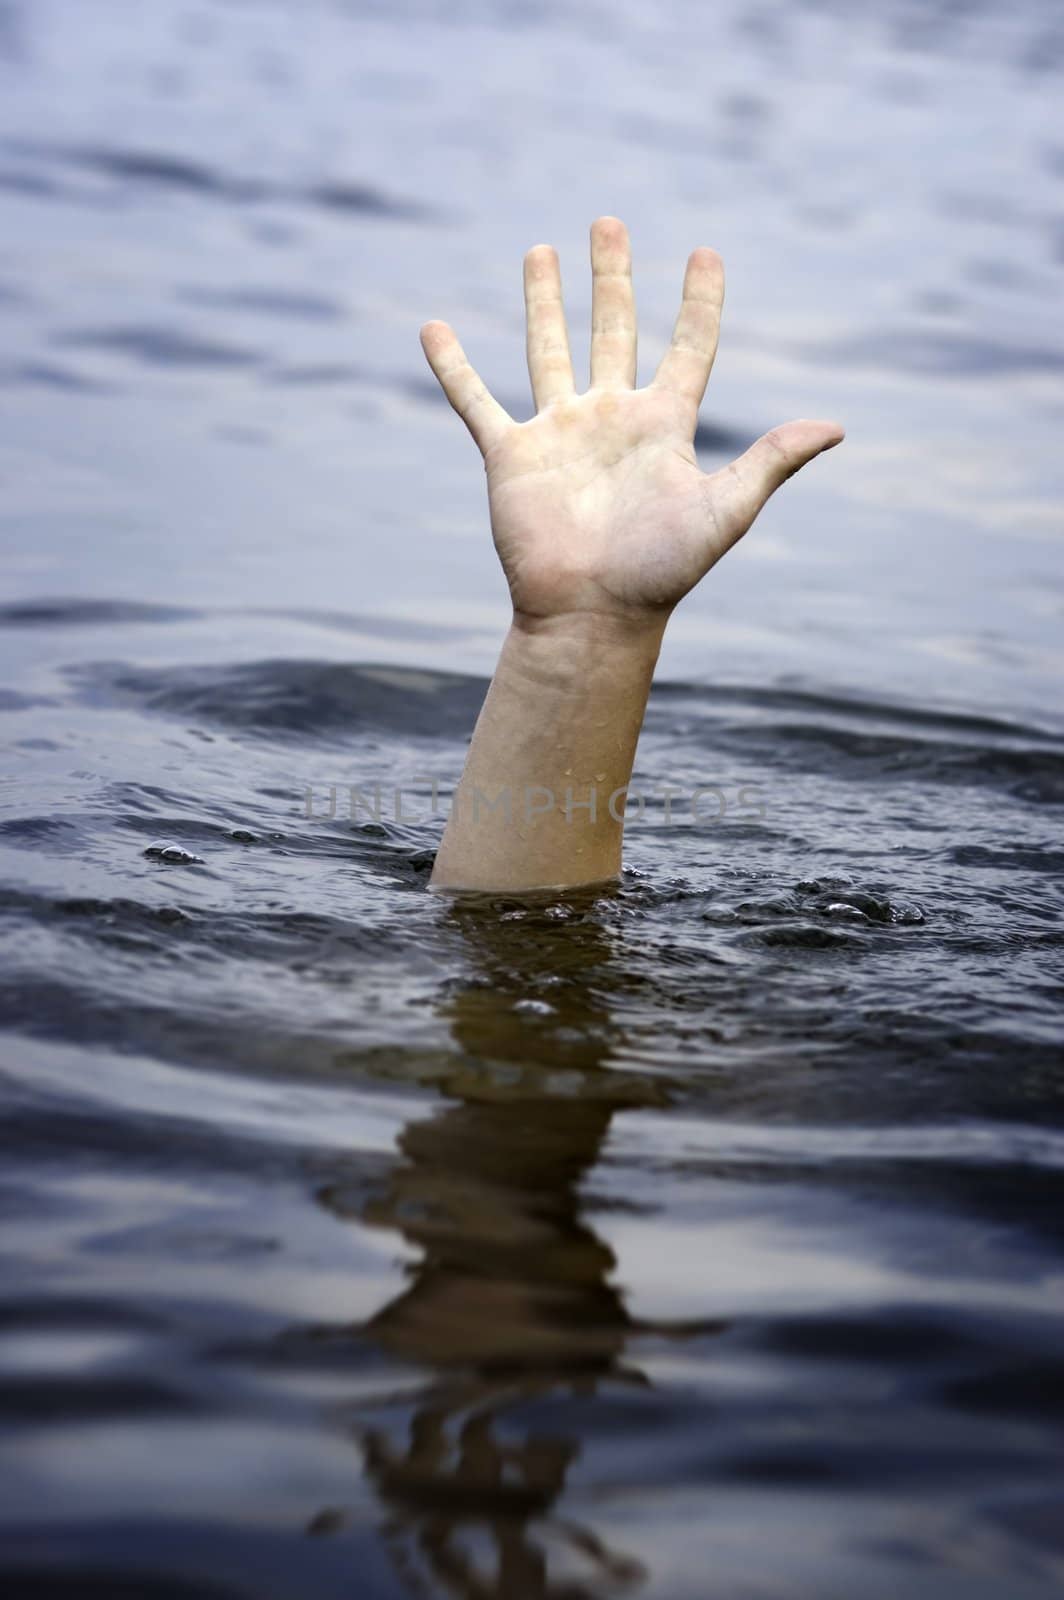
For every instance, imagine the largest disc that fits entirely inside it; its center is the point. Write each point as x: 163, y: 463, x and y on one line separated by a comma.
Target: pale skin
x: 603, y: 521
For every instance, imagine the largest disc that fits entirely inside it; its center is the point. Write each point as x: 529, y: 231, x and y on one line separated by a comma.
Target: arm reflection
x: 510, y: 1309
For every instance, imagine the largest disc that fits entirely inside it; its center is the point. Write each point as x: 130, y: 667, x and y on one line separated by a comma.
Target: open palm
x: 598, y: 504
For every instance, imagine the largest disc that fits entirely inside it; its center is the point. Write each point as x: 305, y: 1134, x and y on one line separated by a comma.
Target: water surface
x: 696, y: 1237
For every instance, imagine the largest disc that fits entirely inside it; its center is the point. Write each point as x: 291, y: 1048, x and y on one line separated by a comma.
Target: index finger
x: 482, y: 414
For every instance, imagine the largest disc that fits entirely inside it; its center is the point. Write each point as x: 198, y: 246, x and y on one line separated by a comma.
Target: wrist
x: 580, y: 641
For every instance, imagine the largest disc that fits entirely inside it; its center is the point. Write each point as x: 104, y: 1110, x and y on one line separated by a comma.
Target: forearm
x: 541, y: 800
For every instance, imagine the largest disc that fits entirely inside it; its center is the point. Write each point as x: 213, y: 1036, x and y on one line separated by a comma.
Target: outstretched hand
x: 598, y: 504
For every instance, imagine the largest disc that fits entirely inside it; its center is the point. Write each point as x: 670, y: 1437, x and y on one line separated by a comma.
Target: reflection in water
x: 511, y: 1302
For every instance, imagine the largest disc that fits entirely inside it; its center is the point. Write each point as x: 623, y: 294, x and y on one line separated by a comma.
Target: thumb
x: 748, y: 482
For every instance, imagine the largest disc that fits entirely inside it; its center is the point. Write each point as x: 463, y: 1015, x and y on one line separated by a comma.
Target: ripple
x: 296, y: 698
x: 50, y: 375
x: 659, y: 1136
x: 155, y: 168
x: 286, y: 304
x: 939, y: 353
x: 79, y: 612
x: 158, y: 346
x: 161, y: 172
x: 174, y: 855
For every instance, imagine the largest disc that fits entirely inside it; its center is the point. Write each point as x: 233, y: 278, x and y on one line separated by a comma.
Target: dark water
x: 703, y: 1237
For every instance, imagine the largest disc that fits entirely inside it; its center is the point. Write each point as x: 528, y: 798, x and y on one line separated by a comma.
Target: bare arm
x: 603, y: 521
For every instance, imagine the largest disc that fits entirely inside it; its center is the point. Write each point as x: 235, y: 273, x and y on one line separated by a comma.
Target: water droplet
x: 175, y: 854
x: 839, y: 908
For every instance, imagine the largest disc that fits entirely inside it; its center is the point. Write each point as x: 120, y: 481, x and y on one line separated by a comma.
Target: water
x: 699, y: 1237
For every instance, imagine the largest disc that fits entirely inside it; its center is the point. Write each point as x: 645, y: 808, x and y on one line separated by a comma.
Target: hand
x: 598, y: 504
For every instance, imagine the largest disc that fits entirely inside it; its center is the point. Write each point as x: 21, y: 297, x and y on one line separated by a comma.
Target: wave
x: 294, y: 699
x: 840, y: 737
x: 162, y: 172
